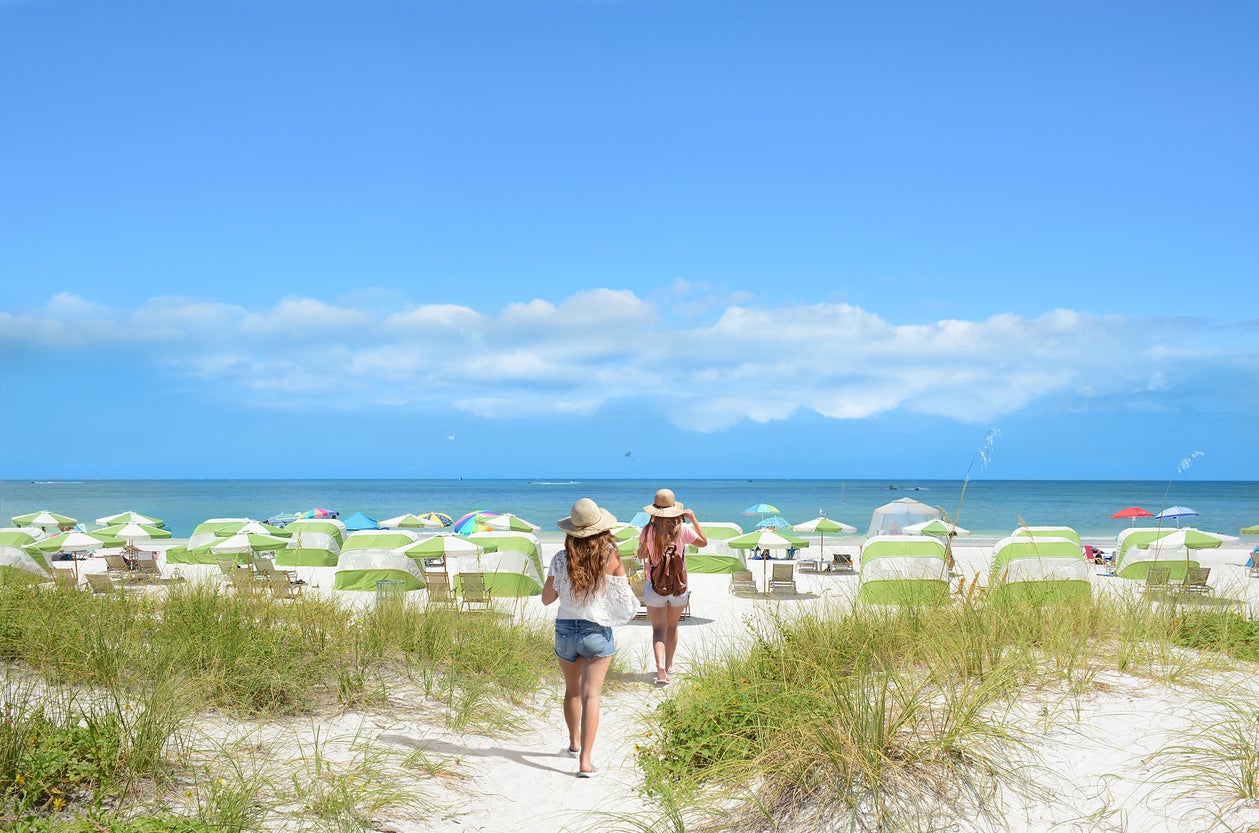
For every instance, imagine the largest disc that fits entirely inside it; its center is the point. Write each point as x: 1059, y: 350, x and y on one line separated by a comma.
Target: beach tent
x: 1136, y: 552
x: 892, y: 518
x: 380, y: 539
x: 522, y: 542
x: 1039, y: 569
x: 359, y: 521
x: 207, y: 532
x: 903, y: 569
x: 319, y: 534
x: 1047, y: 532
x: 304, y: 556
x: 369, y: 556
x: 716, y: 557
x: 508, y: 573
x: 360, y: 569
x: 13, y: 553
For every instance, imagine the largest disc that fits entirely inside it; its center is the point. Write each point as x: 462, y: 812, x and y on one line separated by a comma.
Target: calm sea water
x: 990, y: 508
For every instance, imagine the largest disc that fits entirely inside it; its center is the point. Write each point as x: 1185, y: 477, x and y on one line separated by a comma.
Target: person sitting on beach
x: 583, y: 577
x: 664, y: 530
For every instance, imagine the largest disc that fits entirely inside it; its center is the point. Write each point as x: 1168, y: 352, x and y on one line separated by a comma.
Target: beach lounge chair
x: 742, y: 583
x: 117, y: 567
x: 146, y: 569
x: 1156, y: 583
x: 244, y: 582
x: 100, y: 584
x: 65, y: 579
x: 438, y: 587
x: 842, y: 563
x: 782, y: 578
x: 473, y: 592
x: 1195, y: 583
x: 284, y: 584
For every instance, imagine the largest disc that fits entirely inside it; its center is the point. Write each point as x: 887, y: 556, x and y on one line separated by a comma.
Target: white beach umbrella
x: 44, y: 520
x: 513, y: 523
x: 136, y: 532
x: 242, y: 542
x: 130, y: 517
x: 410, y: 521
x: 935, y: 527
x: 75, y: 541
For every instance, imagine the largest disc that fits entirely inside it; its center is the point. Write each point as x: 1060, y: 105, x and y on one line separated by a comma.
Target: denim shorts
x: 580, y: 638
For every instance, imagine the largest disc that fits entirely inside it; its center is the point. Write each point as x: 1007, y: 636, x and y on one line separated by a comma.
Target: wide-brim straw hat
x: 586, y: 519
x: 665, y: 506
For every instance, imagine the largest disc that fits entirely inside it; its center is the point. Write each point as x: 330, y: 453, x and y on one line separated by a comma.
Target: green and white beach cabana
x: 716, y: 557
x: 523, y: 542
x: 903, y: 570
x: 14, y: 554
x: 1039, y: 570
x: 1143, y: 548
x: 1048, y: 532
x: 508, y: 573
x: 313, y: 542
x: 207, y: 532
x: 372, y: 555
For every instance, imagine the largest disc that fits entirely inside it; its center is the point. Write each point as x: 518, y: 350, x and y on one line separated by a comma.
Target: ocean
x: 990, y: 509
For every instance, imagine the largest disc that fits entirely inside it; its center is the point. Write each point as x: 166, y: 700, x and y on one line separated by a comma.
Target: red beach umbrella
x: 1133, y: 512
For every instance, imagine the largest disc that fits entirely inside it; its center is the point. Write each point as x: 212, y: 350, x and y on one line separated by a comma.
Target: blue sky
x: 628, y: 239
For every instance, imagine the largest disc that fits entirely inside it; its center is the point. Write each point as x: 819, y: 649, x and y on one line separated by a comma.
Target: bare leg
x: 664, y: 637
x: 572, y: 700
x: 596, y: 668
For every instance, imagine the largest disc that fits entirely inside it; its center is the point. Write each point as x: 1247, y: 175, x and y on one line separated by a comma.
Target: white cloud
x: 736, y: 363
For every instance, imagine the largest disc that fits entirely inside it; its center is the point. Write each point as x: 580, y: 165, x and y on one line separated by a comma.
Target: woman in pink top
x: 665, y: 529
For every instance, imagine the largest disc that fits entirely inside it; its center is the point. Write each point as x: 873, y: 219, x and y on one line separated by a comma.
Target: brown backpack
x: 668, y: 574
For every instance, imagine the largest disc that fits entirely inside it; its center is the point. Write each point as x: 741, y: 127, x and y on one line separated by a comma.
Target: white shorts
x: 653, y: 599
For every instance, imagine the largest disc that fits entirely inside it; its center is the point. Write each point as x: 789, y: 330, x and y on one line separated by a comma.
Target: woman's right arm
x: 549, y: 593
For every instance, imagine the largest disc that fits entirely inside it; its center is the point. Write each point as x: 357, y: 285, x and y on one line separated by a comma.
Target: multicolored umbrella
x: 318, y: 512
x: 474, y: 522
x: 762, y: 509
x: 440, y: 517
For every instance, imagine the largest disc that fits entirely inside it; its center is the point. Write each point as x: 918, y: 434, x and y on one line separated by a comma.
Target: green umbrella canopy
x: 823, y: 525
x: 43, y: 518
x: 448, y: 544
x: 1250, y: 530
x: 511, y: 523
x: 249, y: 527
x: 935, y: 526
x: 130, y: 518
x: 410, y: 521
x: 135, y: 531
x: 628, y: 547
x: 248, y: 542
x: 74, y: 541
x: 1190, y: 538
x: 15, y: 538
x: 624, y: 532
x: 767, y: 539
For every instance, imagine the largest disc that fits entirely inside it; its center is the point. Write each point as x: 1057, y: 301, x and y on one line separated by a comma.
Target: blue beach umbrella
x: 1175, y: 513
x: 776, y: 521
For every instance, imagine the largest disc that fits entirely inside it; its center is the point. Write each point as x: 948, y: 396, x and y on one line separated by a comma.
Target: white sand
x: 1092, y: 748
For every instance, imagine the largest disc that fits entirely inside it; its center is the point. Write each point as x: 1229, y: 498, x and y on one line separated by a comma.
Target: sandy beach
x: 1093, y: 757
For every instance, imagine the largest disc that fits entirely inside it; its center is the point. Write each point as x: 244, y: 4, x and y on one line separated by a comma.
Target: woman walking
x: 588, y: 579
x: 663, y: 538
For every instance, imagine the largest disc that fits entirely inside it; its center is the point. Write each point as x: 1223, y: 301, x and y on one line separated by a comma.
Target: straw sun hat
x: 586, y: 519
x: 665, y: 506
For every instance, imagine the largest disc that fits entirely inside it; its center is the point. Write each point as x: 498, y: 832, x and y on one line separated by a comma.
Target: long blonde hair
x: 586, y: 560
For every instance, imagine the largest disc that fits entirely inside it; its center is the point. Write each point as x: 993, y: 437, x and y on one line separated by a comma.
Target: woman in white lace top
x: 588, y: 580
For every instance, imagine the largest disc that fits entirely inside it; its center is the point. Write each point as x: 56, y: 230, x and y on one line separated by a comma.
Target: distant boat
x: 893, y: 487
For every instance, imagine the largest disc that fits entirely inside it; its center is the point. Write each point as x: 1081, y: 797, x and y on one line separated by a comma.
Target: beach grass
x: 108, y: 685
x: 909, y: 718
